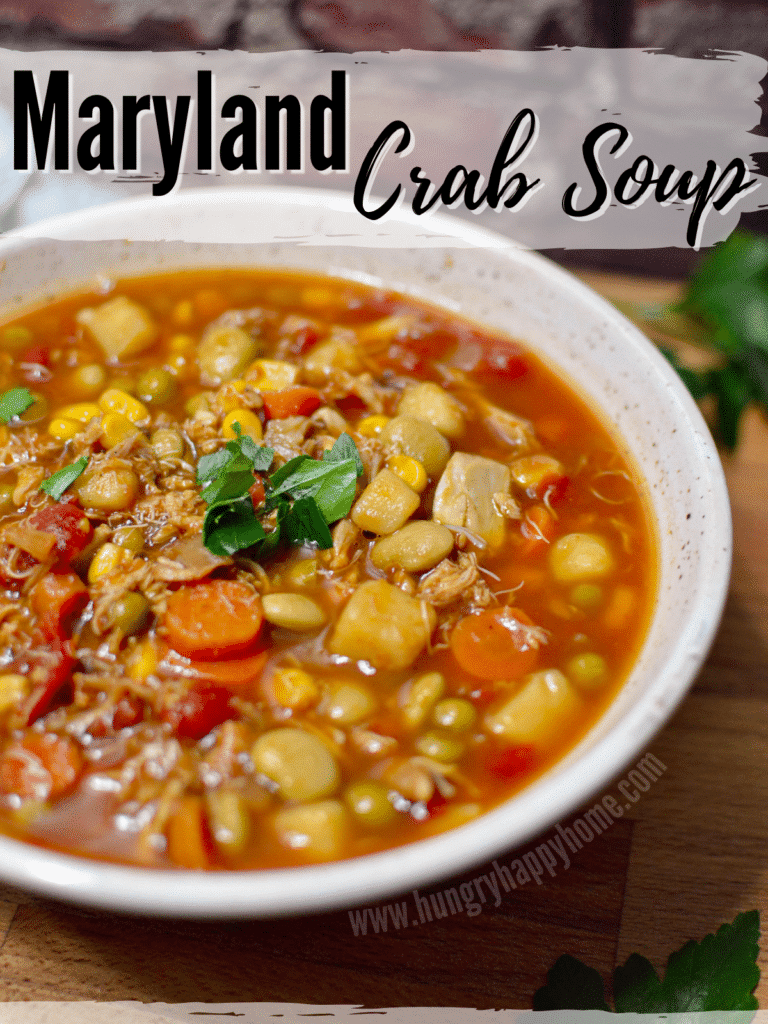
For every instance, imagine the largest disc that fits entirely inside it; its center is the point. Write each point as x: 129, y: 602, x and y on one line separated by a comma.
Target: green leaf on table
x: 571, y: 985
x: 58, y: 482
x: 732, y: 387
x: 718, y: 973
x: 15, y: 402
x: 697, y: 381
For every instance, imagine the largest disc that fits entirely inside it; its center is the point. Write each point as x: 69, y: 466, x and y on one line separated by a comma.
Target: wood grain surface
x: 689, y: 855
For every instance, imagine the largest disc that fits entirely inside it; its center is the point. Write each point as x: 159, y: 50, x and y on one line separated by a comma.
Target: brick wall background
x: 688, y: 28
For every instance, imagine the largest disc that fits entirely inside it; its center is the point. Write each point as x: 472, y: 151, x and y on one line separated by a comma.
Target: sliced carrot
x: 495, y: 644
x: 208, y: 620
x: 40, y: 767
x: 231, y: 672
x: 298, y: 401
x: 187, y: 846
x: 538, y: 529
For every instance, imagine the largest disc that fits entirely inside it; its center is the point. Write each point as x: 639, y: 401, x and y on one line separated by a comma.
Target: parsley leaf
x: 307, y: 494
x: 58, y: 482
x: 571, y: 985
x: 15, y: 402
x: 718, y: 973
x: 230, y: 526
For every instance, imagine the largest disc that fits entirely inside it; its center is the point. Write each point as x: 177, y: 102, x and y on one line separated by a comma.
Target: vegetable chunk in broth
x: 295, y: 570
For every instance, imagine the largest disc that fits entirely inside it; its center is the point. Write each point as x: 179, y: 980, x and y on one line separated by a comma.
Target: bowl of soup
x: 328, y: 569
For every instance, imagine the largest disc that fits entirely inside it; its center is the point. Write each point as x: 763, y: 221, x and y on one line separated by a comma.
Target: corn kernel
x: 372, y: 426
x: 183, y: 313
x: 294, y: 688
x: 116, y: 428
x: 13, y: 688
x: 63, y: 429
x: 410, y: 471
x: 272, y: 374
x: 81, y: 412
x: 114, y: 400
x: 144, y: 661
x: 181, y: 343
x: 250, y: 424
x: 108, y: 558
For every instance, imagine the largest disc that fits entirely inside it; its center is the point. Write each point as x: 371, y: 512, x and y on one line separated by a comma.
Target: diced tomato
x: 553, y: 489
x: 304, y: 339
x: 257, y: 493
x: 128, y: 711
x: 202, y: 709
x: 297, y: 401
x: 513, y: 762
x: 436, y: 804
x: 68, y: 524
x: 56, y: 663
x: 58, y: 599
x: 404, y: 359
x: 502, y: 360
x: 37, y: 354
x: 350, y: 405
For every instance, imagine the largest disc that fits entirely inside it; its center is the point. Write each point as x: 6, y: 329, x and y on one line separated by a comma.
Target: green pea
x: 6, y: 499
x: 130, y: 613
x: 441, y: 748
x: 16, y: 336
x: 129, y: 537
x: 587, y: 596
x: 454, y: 713
x: 36, y: 412
x: 198, y: 403
x: 156, y: 386
x: 369, y: 803
x: 587, y: 671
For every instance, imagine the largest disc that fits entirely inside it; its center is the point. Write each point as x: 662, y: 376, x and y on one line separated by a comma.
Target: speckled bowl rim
x: 585, y: 771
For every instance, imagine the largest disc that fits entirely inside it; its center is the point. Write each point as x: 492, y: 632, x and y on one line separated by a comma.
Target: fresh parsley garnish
x: 15, y: 402
x: 724, y: 310
x: 58, y: 482
x: 718, y: 973
x: 306, y: 495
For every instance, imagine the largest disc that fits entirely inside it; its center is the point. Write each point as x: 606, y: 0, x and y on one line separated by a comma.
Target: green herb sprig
x: 306, y: 495
x: 725, y: 310
x: 58, y: 482
x: 14, y: 403
x: 718, y: 973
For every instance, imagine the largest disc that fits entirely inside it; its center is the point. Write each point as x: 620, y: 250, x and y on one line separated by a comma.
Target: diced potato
x: 464, y: 496
x: 338, y: 353
x: 580, y: 556
x: 224, y: 353
x: 120, y: 327
x: 530, y: 471
x: 385, y: 504
x: 272, y: 374
x: 420, y: 440
x: 540, y: 713
x: 383, y: 626
x: 432, y: 403
x: 416, y: 547
x: 319, y: 828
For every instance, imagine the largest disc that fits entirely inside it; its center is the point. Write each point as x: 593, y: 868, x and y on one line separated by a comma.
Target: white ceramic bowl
x: 602, y: 354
